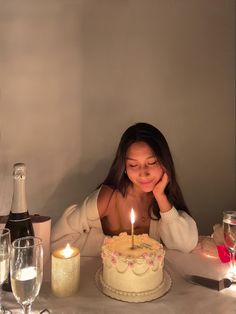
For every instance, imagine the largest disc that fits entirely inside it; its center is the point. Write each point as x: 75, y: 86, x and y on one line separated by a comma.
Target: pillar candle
x: 65, y: 273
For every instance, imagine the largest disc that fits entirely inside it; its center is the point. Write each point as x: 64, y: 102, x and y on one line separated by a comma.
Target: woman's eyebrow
x: 130, y: 158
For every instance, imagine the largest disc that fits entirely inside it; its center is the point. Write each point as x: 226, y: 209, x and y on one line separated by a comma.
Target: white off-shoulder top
x: 81, y: 227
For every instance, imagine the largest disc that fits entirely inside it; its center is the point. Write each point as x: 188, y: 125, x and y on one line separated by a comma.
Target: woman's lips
x: 146, y: 182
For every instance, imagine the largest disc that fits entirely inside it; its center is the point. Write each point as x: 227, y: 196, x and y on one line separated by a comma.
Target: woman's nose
x: 143, y: 171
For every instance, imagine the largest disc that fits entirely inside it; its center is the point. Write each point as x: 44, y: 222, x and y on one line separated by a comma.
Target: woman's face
x: 142, y: 166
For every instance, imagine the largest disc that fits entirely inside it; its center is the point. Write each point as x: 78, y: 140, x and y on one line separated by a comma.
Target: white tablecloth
x: 183, y: 297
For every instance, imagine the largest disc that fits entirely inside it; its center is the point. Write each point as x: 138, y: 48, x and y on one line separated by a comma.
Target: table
x: 183, y: 297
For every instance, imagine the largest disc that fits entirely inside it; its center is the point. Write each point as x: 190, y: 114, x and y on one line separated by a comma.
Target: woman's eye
x: 151, y: 163
x: 133, y: 165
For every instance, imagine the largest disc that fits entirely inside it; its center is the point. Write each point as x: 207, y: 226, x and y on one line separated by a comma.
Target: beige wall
x: 75, y: 74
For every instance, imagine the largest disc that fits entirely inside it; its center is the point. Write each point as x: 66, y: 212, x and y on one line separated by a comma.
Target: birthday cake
x: 135, y: 273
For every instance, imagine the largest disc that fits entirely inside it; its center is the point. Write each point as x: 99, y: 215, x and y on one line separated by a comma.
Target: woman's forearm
x: 178, y: 230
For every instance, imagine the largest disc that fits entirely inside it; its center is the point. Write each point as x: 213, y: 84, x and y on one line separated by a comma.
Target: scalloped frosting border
x: 153, y: 260
x: 144, y: 296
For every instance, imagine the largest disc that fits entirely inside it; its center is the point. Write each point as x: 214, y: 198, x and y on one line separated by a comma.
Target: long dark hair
x: 117, y: 178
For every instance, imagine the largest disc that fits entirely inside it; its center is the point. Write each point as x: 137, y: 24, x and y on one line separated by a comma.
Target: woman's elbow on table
x: 179, y: 238
x: 189, y: 237
x: 188, y: 244
x: 183, y: 244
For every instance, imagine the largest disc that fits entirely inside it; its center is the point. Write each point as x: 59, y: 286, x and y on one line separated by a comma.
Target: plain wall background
x: 74, y: 74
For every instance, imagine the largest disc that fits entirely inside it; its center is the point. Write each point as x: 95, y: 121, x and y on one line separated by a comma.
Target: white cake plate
x: 134, y: 296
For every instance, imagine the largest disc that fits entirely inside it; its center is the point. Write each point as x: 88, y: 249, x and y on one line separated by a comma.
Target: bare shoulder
x: 104, y: 199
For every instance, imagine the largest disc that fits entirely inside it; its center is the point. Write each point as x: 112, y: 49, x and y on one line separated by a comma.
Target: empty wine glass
x: 229, y: 226
x: 26, y: 269
x: 4, y: 259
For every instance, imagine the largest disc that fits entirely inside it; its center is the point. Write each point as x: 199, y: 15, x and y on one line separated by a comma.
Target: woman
x: 142, y: 176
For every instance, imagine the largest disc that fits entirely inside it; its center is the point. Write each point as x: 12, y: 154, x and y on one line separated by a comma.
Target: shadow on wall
x: 73, y: 189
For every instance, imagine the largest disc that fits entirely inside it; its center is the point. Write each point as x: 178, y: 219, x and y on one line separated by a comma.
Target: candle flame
x: 68, y: 251
x: 132, y: 216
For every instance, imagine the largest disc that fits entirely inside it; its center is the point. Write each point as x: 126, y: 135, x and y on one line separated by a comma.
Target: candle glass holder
x: 26, y: 269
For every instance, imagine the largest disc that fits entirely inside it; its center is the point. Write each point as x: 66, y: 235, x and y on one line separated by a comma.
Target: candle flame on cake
x: 132, y: 216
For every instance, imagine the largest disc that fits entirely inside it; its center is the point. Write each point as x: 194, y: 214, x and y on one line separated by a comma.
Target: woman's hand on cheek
x: 159, y: 194
x: 160, y: 186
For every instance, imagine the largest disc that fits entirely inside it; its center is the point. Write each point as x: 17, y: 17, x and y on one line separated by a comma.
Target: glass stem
x: 1, y: 307
x: 232, y: 260
x: 27, y: 308
x: 232, y: 266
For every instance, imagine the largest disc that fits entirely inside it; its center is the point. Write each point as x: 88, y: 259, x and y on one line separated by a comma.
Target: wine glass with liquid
x: 26, y: 270
x: 229, y: 226
x: 4, y: 259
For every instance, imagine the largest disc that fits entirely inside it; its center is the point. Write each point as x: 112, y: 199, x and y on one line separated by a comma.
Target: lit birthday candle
x: 132, y: 219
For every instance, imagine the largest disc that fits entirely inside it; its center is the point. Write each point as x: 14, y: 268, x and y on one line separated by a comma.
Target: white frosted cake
x: 132, y: 272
